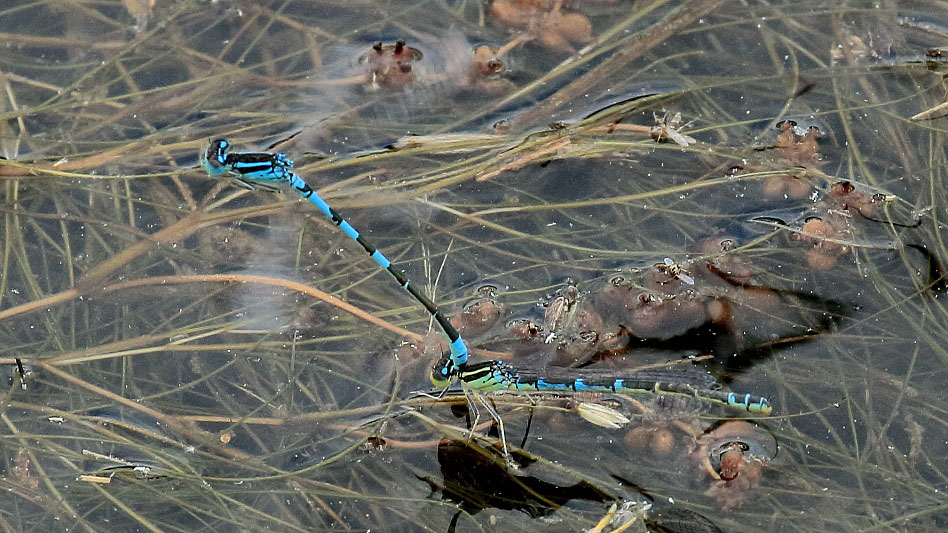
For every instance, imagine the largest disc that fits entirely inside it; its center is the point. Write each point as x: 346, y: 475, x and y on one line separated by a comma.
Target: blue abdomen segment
x: 690, y: 382
x: 265, y: 167
x: 545, y: 385
x: 459, y: 351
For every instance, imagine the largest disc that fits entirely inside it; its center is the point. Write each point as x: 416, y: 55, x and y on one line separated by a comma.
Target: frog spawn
x: 835, y: 223
x: 734, y: 455
x: 457, y: 65
x: 390, y: 65
x: 797, y: 150
x: 709, y: 303
x: 544, y: 22
x: 480, y: 313
x: 484, y: 73
x: 663, y: 305
x: 731, y: 454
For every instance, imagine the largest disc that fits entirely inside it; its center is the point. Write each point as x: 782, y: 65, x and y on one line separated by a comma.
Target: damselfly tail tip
x: 757, y: 405
x: 763, y: 407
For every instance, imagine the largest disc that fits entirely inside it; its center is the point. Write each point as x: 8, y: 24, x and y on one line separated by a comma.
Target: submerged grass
x: 203, y: 358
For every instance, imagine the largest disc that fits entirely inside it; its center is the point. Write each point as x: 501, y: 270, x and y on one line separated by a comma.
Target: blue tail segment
x: 687, y: 382
x: 265, y: 168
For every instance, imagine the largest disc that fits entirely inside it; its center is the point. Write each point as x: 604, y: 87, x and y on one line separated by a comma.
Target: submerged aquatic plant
x: 228, y: 359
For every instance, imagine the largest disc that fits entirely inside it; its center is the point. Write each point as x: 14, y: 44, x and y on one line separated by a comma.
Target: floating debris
x: 666, y: 129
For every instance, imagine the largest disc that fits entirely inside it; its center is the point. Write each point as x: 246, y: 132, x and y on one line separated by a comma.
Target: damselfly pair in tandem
x: 265, y: 169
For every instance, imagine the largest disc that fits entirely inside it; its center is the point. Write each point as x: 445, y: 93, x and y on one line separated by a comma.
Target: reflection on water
x: 754, y: 189
x: 477, y: 480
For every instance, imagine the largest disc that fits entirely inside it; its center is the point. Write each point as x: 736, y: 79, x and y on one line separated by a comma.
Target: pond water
x: 748, y: 197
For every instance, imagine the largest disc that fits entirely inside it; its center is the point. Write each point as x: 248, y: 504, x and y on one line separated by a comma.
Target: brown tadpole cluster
x: 860, y: 49
x: 390, y: 65
x: 721, y: 262
x: 710, y: 294
x: 568, y: 330
x: 543, y: 21
x: 668, y: 302
x: 658, y: 313
x: 794, y: 150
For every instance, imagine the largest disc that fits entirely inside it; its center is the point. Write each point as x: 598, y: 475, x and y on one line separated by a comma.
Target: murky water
x: 751, y: 190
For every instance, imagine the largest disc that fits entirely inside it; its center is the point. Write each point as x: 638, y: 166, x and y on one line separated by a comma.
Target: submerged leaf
x: 602, y: 415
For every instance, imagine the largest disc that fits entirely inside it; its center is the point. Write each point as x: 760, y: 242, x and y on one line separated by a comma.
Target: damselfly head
x: 215, y: 155
x: 444, y: 371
